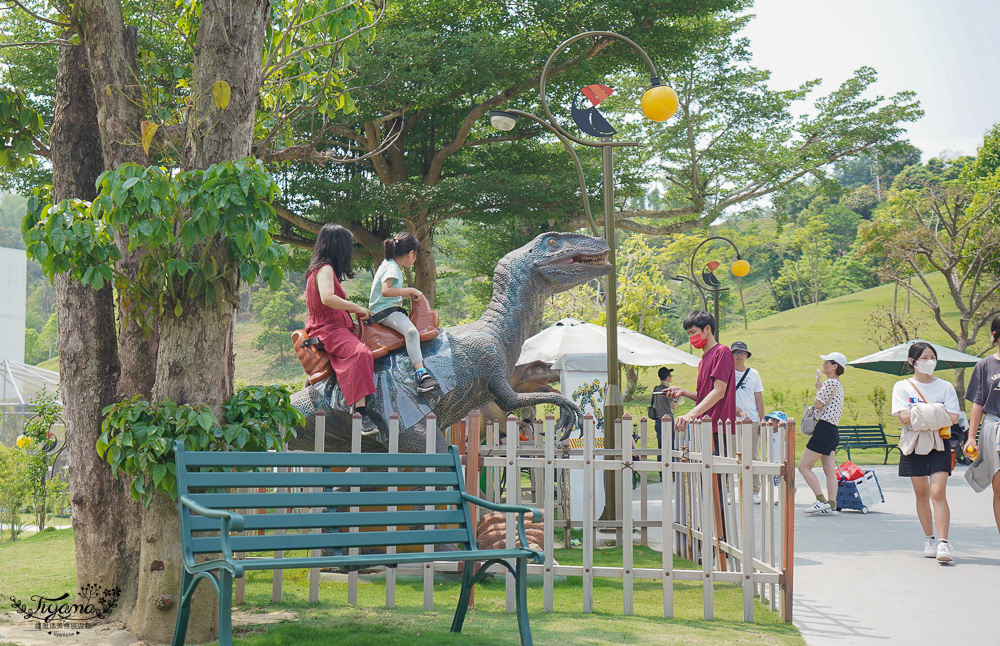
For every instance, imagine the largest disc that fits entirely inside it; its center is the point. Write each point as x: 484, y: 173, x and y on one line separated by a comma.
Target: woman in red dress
x: 330, y: 318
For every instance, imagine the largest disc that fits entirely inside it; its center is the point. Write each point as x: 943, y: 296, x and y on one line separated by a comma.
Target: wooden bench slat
x: 339, y: 519
x: 342, y: 540
x: 326, y: 499
x: 233, y: 479
x: 197, y: 459
x: 368, y: 560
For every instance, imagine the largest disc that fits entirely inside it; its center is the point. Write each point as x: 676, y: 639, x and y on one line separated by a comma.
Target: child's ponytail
x: 995, y: 329
x: 400, y: 244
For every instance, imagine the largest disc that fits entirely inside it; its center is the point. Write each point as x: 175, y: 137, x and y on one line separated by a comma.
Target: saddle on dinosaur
x: 379, y: 339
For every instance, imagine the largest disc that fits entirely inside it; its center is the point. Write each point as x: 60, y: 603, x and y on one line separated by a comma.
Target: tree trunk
x: 104, y: 514
x: 228, y: 48
x: 154, y: 618
x: 425, y: 268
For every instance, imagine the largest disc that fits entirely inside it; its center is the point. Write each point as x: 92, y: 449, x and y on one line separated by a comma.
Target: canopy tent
x: 571, y: 344
x: 19, y: 383
x: 893, y: 360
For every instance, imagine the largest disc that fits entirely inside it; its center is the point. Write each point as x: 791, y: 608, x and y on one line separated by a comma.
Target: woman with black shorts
x: 822, y: 446
x: 926, y: 460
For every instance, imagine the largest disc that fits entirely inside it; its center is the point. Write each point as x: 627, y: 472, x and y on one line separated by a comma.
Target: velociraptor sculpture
x: 472, y: 362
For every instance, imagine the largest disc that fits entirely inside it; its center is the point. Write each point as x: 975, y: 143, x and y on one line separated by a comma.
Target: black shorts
x: 914, y: 466
x: 824, y: 439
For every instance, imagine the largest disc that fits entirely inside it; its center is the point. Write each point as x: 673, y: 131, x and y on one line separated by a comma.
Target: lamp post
x: 659, y: 103
x: 740, y: 268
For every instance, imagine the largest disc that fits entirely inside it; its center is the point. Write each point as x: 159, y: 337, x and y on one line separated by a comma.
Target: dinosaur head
x: 563, y: 260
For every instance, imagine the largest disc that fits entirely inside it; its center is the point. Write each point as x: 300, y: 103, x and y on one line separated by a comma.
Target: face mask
x: 698, y: 341
x: 926, y: 366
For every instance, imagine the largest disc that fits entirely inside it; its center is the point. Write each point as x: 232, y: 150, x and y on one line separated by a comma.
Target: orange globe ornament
x: 741, y: 268
x: 659, y: 103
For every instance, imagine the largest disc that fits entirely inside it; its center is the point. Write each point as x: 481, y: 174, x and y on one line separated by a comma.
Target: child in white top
x: 386, y: 300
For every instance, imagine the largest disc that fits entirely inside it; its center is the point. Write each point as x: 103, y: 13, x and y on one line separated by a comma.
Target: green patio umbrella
x: 893, y: 361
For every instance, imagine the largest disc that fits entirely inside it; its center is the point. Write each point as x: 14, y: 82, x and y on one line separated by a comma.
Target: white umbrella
x: 570, y: 336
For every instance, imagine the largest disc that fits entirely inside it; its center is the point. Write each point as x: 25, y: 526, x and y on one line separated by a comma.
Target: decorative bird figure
x: 589, y: 120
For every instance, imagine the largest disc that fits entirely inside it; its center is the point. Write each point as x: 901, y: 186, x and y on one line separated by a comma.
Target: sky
x: 946, y: 51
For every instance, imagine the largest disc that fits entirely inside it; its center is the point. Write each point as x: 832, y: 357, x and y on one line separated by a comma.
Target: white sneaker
x: 930, y: 547
x: 944, y: 552
x: 756, y: 499
x: 821, y: 509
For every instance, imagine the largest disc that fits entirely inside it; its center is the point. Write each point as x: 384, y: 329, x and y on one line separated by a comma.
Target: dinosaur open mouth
x: 584, y: 259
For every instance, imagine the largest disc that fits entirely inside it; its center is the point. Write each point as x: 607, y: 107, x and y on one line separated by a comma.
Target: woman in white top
x: 822, y: 446
x: 928, y: 472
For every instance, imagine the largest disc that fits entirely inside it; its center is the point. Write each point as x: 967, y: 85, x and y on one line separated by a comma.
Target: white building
x: 13, y: 303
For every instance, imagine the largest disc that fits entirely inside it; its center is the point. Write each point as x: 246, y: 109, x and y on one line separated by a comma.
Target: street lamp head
x: 741, y: 268
x: 503, y: 120
x: 659, y: 102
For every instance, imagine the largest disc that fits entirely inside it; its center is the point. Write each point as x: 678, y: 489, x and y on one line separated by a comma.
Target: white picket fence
x: 701, y: 493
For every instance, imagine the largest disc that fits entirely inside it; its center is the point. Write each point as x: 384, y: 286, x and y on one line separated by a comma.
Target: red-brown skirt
x: 351, y: 359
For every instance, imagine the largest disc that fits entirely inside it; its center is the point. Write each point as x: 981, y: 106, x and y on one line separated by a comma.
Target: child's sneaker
x: 944, y: 552
x: 425, y: 382
x: 930, y: 547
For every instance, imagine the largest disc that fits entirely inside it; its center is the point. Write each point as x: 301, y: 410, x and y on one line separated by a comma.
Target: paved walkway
x: 860, y: 579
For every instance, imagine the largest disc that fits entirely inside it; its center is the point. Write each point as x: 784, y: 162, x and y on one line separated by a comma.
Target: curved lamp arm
x: 694, y: 276
x: 576, y: 162
x: 654, y: 80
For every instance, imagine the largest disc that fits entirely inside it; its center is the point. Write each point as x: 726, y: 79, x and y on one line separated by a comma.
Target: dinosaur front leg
x: 570, y: 415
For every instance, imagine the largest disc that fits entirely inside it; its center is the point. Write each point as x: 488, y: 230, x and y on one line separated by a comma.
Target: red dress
x: 352, y: 360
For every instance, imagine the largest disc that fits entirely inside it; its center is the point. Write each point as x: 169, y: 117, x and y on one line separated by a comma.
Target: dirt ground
x: 14, y: 630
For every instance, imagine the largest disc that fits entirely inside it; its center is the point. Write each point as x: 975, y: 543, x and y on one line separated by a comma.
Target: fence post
x: 788, y: 539
x: 352, y: 577
x: 626, y: 492
x: 390, y: 572
x: 430, y: 447
x: 473, y: 465
x: 666, y: 516
x: 548, y: 490
x: 319, y: 446
x: 708, y: 500
x: 513, y: 481
x: 748, y: 474
x: 588, y: 513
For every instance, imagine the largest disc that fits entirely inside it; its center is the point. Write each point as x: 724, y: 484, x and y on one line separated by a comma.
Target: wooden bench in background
x: 435, y: 502
x: 866, y: 437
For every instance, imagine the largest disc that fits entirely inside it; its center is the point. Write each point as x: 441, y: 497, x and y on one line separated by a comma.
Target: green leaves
x: 19, y: 124
x: 137, y: 436
x: 175, y: 219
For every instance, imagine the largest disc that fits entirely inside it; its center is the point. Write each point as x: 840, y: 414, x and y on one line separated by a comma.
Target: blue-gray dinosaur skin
x: 473, y: 362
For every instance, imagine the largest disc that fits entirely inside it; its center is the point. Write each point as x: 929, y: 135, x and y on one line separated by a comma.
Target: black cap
x: 739, y: 346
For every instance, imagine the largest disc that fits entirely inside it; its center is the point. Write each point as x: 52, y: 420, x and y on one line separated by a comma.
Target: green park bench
x: 441, y: 515
x: 870, y: 436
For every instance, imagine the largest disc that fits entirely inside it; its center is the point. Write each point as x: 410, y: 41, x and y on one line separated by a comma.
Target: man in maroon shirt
x: 715, y: 395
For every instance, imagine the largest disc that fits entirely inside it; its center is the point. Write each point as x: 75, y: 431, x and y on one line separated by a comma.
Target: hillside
x: 786, y: 348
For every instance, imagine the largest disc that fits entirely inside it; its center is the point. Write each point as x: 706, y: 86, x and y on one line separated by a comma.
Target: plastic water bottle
x: 971, y: 452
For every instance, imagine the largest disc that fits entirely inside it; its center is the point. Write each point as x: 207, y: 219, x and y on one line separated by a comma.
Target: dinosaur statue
x: 472, y: 362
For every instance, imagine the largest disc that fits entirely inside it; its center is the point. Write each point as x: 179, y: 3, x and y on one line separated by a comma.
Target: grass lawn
x: 44, y: 565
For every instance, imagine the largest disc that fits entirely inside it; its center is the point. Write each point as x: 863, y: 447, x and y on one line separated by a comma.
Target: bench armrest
x: 231, y: 522
x: 520, y: 510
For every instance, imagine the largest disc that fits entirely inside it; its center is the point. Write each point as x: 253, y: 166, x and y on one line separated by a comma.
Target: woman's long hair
x: 335, y: 247
x: 995, y: 329
x: 916, y: 350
